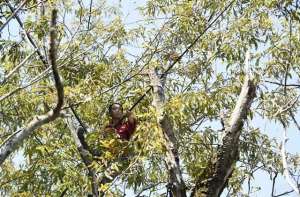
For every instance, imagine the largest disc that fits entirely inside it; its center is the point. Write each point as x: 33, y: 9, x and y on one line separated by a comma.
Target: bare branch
x: 13, y: 15
x: 286, y: 172
x: 273, y: 184
x: 281, y: 84
x: 41, y: 56
x: 287, y: 106
x: 84, y: 154
x: 15, y: 140
x: 16, y: 68
x: 273, y: 188
x: 227, y: 155
x: 52, y: 58
x: 176, y: 181
x: 294, y: 120
x: 284, y: 193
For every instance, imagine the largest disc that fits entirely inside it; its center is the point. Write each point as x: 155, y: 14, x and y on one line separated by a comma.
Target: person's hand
x: 128, y: 113
x: 131, y: 117
x: 109, y: 129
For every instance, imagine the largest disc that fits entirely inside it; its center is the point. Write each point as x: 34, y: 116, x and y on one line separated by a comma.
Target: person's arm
x: 131, y: 118
x: 131, y: 123
x: 108, y: 130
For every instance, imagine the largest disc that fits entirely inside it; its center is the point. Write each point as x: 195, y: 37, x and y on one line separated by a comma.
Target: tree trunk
x: 228, y: 153
x: 85, y: 155
x: 176, y: 183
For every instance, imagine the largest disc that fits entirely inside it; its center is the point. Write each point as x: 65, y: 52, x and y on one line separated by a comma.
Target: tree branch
x: 287, y: 106
x: 281, y: 84
x: 6, y: 77
x: 39, y: 77
x: 52, y: 58
x: 291, y: 181
x: 148, y: 187
x: 15, y: 140
x: 42, y: 58
x: 285, y: 166
x: 64, y: 192
x: 90, y: 15
x: 13, y: 15
x: 227, y: 155
x: 273, y: 183
x: 84, y: 154
x: 284, y: 193
x: 294, y: 119
x: 176, y: 182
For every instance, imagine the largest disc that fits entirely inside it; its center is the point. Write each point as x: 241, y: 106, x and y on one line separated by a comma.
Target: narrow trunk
x: 84, y: 154
x: 228, y: 153
x: 176, y: 183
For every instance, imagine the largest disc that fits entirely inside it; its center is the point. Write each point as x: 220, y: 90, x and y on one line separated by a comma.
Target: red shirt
x: 124, y: 130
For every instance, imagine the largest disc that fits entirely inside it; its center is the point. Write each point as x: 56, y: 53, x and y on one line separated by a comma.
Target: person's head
x: 115, y: 110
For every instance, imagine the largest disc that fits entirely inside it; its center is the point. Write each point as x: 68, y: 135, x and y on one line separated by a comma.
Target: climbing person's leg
x: 80, y: 134
x: 95, y: 151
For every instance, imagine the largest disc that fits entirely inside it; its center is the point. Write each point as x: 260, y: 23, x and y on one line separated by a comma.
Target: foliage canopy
x: 104, y: 58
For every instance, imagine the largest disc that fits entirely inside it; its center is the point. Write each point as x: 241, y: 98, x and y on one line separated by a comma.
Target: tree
x: 182, y: 62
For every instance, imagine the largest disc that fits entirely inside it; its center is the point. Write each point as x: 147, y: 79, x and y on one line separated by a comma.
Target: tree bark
x: 228, y: 153
x: 286, y: 171
x: 12, y: 143
x: 176, y: 182
x: 85, y: 155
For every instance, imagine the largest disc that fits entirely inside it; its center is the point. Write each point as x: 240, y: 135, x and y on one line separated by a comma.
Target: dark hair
x: 111, y: 105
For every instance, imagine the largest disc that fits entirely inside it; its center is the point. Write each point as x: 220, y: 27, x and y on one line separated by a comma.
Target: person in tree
x: 122, y: 124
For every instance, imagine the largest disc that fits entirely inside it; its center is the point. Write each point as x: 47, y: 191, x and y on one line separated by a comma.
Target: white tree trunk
x: 227, y: 155
x: 176, y: 182
x: 285, y: 166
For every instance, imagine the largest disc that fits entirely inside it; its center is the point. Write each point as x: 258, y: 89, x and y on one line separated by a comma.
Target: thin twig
x: 283, y: 194
x: 281, y: 84
x: 13, y: 143
x: 294, y: 120
x: 148, y: 187
x: 41, y: 56
x: 64, y: 192
x: 13, y: 14
x: 273, y: 183
x: 10, y: 136
x: 287, y: 106
x: 90, y: 15
x: 16, y: 68
x: 290, y: 55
